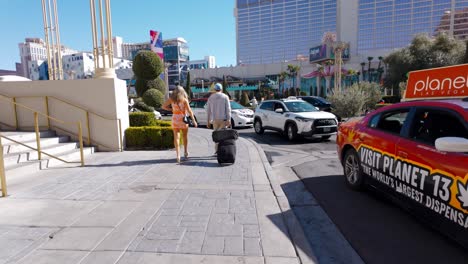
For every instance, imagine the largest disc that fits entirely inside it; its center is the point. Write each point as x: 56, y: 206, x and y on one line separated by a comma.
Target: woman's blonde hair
x: 178, y: 94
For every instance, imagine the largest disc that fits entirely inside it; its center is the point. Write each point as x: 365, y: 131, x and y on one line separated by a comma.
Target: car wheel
x: 291, y: 132
x: 233, y: 125
x: 325, y: 137
x: 353, y: 170
x: 258, y: 127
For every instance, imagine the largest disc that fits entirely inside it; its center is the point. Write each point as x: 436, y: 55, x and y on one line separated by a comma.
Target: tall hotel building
x: 272, y: 31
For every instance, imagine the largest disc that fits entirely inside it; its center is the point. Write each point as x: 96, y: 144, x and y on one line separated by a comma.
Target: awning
x: 242, y: 88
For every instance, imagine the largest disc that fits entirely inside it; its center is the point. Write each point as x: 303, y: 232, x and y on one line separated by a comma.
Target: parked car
x: 157, y: 115
x: 240, y: 115
x: 319, y: 102
x: 415, y: 152
x: 164, y: 112
x: 294, y: 117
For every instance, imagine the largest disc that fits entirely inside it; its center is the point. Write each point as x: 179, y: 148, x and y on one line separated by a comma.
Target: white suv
x: 294, y: 118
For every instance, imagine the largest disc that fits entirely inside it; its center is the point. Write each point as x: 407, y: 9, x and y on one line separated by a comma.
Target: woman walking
x: 180, y: 107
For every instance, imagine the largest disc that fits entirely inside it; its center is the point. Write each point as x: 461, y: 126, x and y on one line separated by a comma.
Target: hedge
x: 139, y: 119
x: 149, y: 137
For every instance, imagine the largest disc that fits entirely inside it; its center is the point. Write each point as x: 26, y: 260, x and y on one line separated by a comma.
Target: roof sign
x: 438, y: 83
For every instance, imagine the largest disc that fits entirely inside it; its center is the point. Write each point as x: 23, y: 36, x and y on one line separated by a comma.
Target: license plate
x: 326, y: 129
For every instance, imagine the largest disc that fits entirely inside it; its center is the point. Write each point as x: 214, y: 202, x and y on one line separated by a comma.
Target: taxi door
x: 438, y: 179
x: 378, y: 143
x: 277, y: 119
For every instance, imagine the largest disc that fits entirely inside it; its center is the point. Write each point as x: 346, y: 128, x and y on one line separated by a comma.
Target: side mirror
x: 279, y: 110
x: 452, y: 144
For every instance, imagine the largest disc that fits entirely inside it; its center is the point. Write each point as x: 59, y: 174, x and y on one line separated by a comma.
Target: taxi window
x: 392, y: 122
x: 279, y: 106
x: 374, y: 121
x: 267, y: 106
x: 192, y: 104
x: 431, y: 124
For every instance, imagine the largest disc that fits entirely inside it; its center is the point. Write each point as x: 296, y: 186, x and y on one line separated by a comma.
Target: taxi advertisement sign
x: 445, y: 82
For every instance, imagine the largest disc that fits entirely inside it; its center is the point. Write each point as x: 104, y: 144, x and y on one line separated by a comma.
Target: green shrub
x: 153, y: 98
x: 142, y: 85
x: 149, y: 137
x: 135, y: 137
x: 140, y: 119
x: 348, y: 103
x: 163, y: 123
x: 140, y: 105
x: 372, y: 93
x: 147, y: 65
x: 157, y: 84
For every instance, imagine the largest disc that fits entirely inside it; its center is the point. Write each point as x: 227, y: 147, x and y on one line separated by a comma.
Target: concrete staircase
x: 22, y: 160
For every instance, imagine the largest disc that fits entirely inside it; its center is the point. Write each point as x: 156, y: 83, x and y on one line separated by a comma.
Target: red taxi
x: 416, y: 152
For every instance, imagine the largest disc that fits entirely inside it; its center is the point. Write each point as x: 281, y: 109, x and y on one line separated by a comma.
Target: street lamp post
x: 338, y: 48
x: 166, y: 79
x: 52, y: 39
x: 104, y: 69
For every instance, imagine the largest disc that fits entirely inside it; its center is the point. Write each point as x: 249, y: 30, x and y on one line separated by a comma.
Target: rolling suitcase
x: 226, y: 151
x: 224, y: 134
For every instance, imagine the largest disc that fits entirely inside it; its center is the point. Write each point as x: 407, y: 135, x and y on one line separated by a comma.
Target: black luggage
x: 226, y: 151
x: 224, y: 134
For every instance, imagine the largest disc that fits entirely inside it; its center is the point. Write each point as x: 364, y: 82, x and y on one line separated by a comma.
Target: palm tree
x: 362, y: 69
x: 368, y: 68
x: 293, y: 72
x: 379, y: 69
x: 282, y: 79
x: 225, y: 86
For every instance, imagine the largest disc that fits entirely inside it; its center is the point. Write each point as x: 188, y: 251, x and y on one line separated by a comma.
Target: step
x: 45, y: 142
x: 29, y: 155
x: 23, y: 136
x: 28, y: 167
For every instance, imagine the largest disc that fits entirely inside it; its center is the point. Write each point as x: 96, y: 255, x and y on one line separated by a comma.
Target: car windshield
x: 300, y: 106
x: 322, y: 101
x: 236, y: 105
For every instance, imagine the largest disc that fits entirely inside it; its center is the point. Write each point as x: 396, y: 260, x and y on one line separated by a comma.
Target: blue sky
x: 207, y: 25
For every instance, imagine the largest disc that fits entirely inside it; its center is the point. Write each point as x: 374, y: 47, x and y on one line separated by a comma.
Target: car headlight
x: 303, y: 119
x: 240, y: 114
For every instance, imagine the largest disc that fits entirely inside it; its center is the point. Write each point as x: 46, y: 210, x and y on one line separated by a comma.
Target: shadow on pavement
x: 321, y: 236
x: 378, y: 230
x: 133, y: 163
x: 192, y: 161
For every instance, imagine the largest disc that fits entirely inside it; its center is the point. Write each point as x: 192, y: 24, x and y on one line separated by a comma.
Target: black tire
x: 326, y: 137
x: 233, y: 126
x: 352, y: 170
x: 291, y: 132
x: 258, y: 126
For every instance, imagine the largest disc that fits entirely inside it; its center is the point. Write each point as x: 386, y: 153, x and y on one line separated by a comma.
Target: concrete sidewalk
x: 142, y: 207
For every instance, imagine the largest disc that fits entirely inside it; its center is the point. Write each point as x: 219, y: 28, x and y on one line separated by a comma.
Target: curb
x: 296, y: 233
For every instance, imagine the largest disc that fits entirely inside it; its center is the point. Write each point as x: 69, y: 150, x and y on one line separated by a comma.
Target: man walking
x: 218, y: 110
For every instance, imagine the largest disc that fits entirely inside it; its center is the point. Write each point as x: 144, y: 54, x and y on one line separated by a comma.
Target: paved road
x: 379, y: 231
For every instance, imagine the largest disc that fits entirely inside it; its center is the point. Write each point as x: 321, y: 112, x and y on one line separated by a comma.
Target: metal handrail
x: 36, y: 129
x: 87, y: 112
x: 43, y: 152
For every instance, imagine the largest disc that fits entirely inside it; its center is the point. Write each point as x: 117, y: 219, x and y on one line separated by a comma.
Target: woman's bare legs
x: 185, y: 139
x: 176, y: 143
